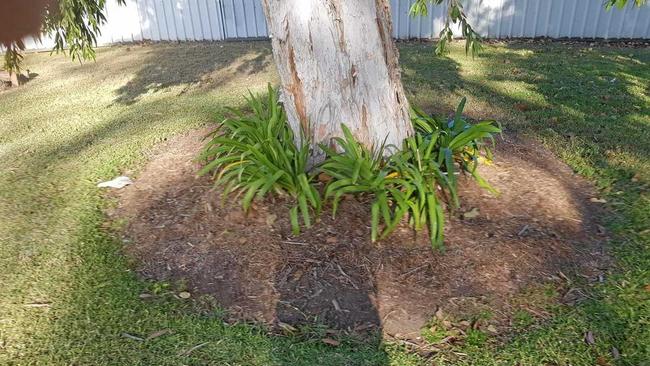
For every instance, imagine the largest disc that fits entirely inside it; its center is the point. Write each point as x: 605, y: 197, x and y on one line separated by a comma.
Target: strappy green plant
x: 461, y: 145
x: 418, y: 180
x: 253, y: 154
x: 357, y: 170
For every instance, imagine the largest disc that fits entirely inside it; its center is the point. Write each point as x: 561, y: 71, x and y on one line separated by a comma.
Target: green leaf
x: 295, y: 226
x: 374, y: 225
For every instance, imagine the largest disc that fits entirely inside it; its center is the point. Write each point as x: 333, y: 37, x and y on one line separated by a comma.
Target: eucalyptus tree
x: 339, y: 64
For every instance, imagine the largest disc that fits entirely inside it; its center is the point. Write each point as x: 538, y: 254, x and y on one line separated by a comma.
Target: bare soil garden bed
x: 541, y: 228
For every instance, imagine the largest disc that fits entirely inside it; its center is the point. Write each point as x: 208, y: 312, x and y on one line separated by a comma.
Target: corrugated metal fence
x: 181, y: 20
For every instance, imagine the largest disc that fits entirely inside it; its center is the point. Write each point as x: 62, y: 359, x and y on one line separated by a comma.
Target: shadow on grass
x: 101, y: 320
x: 540, y: 75
x: 205, y: 64
x: 591, y: 107
x: 180, y: 260
x: 117, y: 322
x: 92, y: 323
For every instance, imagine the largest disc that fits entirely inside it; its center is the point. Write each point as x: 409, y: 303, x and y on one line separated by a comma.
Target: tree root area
x: 503, y: 254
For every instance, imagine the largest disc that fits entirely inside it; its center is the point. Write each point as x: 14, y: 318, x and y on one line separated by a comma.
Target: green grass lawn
x: 69, y: 296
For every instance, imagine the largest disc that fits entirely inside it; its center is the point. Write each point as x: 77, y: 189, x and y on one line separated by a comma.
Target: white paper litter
x: 117, y: 183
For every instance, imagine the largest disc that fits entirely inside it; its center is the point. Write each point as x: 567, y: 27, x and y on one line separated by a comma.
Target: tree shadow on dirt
x: 164, y: 329
x: 104, y: 291
x: 331, y: 274
x: 206, y: 65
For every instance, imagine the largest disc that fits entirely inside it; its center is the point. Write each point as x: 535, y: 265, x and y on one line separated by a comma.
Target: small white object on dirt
x: 117, y: 183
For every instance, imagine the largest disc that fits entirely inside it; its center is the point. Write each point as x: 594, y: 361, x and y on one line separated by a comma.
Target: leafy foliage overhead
x: 621, y: 3
x: 74, y: 25
x: 455, y: 15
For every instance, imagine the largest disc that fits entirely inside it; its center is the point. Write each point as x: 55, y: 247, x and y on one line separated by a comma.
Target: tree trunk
x: 338, y: 64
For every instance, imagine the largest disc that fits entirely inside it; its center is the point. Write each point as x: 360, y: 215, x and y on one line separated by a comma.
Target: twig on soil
x: 523, y: 231
x: 383, y: 321
x: 294, y: 242
x: 347, y: 277
x: 564, y: 277
x: 404, y: 275
x: 318, y: 292
x: 542, y: 314
x: 288, y: 304
x: 415, y: 346
x: 336, y: 305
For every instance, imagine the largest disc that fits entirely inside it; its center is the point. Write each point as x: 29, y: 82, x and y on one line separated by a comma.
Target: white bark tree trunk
x: 338, y: 64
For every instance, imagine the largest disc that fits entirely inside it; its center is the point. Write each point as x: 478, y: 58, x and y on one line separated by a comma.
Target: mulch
x: 542, y: 228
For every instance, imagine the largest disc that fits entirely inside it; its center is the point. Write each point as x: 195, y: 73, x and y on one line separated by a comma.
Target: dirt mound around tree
x: 540, y: 228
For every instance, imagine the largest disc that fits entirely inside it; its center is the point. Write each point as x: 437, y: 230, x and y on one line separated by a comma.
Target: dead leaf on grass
x: 647, y: 287
x: 602, y: 361
x: 331, y: 342
x: 131, y: 336
x: 589, y: 338
x: 158, y: 333
x: 286, y: 327
x: 322, y: 177
x: 523, y: 107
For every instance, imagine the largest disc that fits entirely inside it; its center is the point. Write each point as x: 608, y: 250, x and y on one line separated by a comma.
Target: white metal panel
x: 180, y: 20
x: 185, y: 12
x: 122, y: 23
x: 146, y: 18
